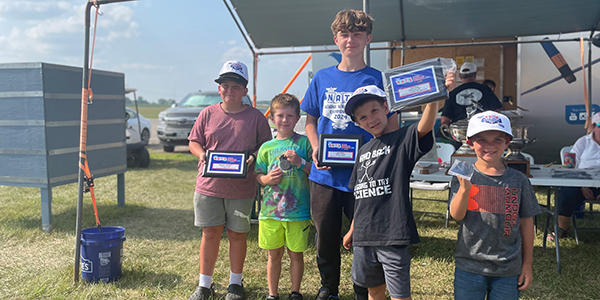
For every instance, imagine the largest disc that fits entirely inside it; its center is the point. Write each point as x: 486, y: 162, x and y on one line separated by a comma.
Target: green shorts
x: 273, y: 234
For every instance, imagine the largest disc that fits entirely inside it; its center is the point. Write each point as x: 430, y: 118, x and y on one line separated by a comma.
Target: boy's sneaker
x: 235, y: 292
x: 202, y: 293
x: 323, y: 293
x: 295, y: 296
x: 272, y: 297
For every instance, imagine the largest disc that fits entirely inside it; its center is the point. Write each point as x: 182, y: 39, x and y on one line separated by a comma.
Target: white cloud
x: 238, y: 53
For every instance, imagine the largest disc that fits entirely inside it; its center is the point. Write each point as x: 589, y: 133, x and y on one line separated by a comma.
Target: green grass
x: 162, y: 247
x: 150, y: 112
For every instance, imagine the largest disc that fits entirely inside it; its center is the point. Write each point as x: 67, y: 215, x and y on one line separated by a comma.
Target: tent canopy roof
x: 288, y: 23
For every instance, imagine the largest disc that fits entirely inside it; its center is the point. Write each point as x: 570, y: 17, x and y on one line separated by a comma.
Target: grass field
x: 150, y: 112
x: 161, y: 250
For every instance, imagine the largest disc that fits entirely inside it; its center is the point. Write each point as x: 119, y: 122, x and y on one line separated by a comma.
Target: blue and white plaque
x: 228, y: 164
x: 339, y: 150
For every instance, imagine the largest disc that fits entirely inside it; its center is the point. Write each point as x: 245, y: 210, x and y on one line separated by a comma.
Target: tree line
x: 142, y: 101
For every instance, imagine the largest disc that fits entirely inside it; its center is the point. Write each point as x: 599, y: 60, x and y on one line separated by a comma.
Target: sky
x: 166, y: 49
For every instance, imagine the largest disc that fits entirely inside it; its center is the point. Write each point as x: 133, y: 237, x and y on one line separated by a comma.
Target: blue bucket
x: 102, y: 253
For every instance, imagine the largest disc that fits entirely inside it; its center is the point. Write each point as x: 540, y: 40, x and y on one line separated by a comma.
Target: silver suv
x: 175, y: 123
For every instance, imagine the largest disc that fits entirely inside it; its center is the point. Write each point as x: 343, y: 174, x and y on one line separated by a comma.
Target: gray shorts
x: 373, y: 266
x: 233, y: 213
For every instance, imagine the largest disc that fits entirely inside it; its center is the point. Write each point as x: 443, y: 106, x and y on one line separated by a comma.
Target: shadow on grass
x: 140, y: 279
x: 162, y: 161
x: 437, y: 248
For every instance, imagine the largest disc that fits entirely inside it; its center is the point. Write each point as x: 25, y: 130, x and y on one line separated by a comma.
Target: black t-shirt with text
x: 380, y: 180
x: 459, y: 102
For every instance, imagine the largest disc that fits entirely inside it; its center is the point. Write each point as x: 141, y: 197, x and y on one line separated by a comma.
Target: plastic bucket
x: 102, y: 253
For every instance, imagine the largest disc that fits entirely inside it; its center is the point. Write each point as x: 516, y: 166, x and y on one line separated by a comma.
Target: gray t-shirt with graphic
x: 489, y: 238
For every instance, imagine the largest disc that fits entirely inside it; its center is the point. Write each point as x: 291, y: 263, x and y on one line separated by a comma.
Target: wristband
x: 302, y: 164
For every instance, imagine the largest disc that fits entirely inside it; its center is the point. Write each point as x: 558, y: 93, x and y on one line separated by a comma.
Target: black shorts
x: 373, y: 266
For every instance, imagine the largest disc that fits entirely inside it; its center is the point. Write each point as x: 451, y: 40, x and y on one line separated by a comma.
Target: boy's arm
x: 427, y: 120
x: 460, y: 202
x: 527, y: 236
x: 198, y: 151
x: 272, y: 178
x: 347, y: 242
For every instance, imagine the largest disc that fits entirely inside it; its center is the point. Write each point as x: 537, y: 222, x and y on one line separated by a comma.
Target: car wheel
x: 145, y: 135
x: 143, y: 159
x: 169, y: 148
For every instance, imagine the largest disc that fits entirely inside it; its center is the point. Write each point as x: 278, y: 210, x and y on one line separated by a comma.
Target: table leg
x: 121, y: 190
x: 548, y: 196
x: 556, y: 238
x: 46, y: 195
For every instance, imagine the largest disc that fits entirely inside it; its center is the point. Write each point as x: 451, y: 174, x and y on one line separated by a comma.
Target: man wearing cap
x: 468, y: 96
x: 225, y: 202
x: 587, y: 155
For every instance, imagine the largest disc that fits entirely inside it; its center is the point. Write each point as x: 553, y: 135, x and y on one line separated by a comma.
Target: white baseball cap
x: 369, y: 91
x: 235, y: 71
x: 596, y: 118
x: 488, y: 120
x: 468, y: 68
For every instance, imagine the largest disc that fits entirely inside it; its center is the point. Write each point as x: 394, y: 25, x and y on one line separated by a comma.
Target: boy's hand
x: 293, y: 157
x: 526, y: 277
x: 250, y: 159
x: 464, y: 183
x: 347, y: 242
x: 450, y: 80
x: 315, y: 157
x: 202, y: 159
x: 273, y: 177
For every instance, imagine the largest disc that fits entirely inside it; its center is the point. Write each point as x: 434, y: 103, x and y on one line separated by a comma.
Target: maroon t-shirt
x: 216, y: 130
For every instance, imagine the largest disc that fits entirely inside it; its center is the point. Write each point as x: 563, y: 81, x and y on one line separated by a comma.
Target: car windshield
x: 200, y: 100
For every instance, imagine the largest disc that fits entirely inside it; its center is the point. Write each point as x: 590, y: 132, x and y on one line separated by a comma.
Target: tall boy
x: 383, y: 227
x: 325, y: 98
x: 281, y: 166
x: 218, y: 202
x: 496, y: 209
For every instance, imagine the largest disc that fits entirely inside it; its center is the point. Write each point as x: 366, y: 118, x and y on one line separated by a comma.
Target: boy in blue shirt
x: 324, y: 103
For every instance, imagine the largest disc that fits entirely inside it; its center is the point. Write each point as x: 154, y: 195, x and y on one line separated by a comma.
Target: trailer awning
x: 291, y: 23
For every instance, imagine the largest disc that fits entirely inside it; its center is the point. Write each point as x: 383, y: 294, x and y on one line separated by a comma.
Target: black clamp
x: 88, y: 183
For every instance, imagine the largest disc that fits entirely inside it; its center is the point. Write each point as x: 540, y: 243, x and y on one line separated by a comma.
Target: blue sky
x: 166, y: 49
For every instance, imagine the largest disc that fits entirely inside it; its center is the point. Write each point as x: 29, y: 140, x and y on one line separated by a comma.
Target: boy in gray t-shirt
x: 496, y: 209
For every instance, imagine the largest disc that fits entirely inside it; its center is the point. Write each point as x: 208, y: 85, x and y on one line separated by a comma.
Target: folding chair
x: 444, y: 151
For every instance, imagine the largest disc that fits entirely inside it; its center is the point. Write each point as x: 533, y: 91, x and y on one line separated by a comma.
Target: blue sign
x: 414, y: 84
x: 576, y: 114
x: 226, y: 162
x: 338, y: 150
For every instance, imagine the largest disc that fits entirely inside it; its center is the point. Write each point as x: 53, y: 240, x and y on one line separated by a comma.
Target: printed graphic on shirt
x: 367, y: 186
x: 333, y: 108
x: 496, y: 200
x: 468, y: 97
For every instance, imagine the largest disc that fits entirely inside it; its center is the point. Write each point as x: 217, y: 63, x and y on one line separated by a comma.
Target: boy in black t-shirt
x: 383, y: 227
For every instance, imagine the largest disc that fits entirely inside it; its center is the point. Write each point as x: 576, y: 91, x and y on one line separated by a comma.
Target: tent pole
x: 367, y: 9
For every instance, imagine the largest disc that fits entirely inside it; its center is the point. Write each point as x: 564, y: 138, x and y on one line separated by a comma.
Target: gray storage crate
x: 40, y: 113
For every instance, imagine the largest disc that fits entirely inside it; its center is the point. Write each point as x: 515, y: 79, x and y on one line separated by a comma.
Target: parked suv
x: 176, y: 122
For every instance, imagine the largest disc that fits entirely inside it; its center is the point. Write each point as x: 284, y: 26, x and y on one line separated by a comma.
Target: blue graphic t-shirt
x: 326, y: 98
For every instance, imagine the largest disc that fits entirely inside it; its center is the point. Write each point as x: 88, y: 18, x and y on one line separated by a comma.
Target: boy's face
x: 285, y: 119
x: 489, y: 145
x: 372, y: 117
x: 232, y: 92
x: 352, y: 44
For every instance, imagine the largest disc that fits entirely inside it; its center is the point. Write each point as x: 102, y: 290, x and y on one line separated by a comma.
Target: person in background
x: 468, y: 96
x: 490, y: 83
x: 494, y: 255
x: 282, y: 168
x: 587, y: 154
x: 224, y: 202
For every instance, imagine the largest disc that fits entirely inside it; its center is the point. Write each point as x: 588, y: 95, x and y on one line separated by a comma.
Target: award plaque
x: 227, y: 164
x: 417, y: 83
x: 339, y: 150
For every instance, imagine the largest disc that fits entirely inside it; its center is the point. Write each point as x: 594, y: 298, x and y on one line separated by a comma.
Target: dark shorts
x: 374, y: 266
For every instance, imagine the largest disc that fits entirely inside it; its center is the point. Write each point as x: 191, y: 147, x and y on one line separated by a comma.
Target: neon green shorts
x: 273, y: 234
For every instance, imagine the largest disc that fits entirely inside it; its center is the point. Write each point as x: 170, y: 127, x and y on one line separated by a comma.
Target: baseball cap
x: 235, y: 71
x: 468, y: 68
x: 596, y: 118
x: 369, y: 91
x: 488, y: 120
